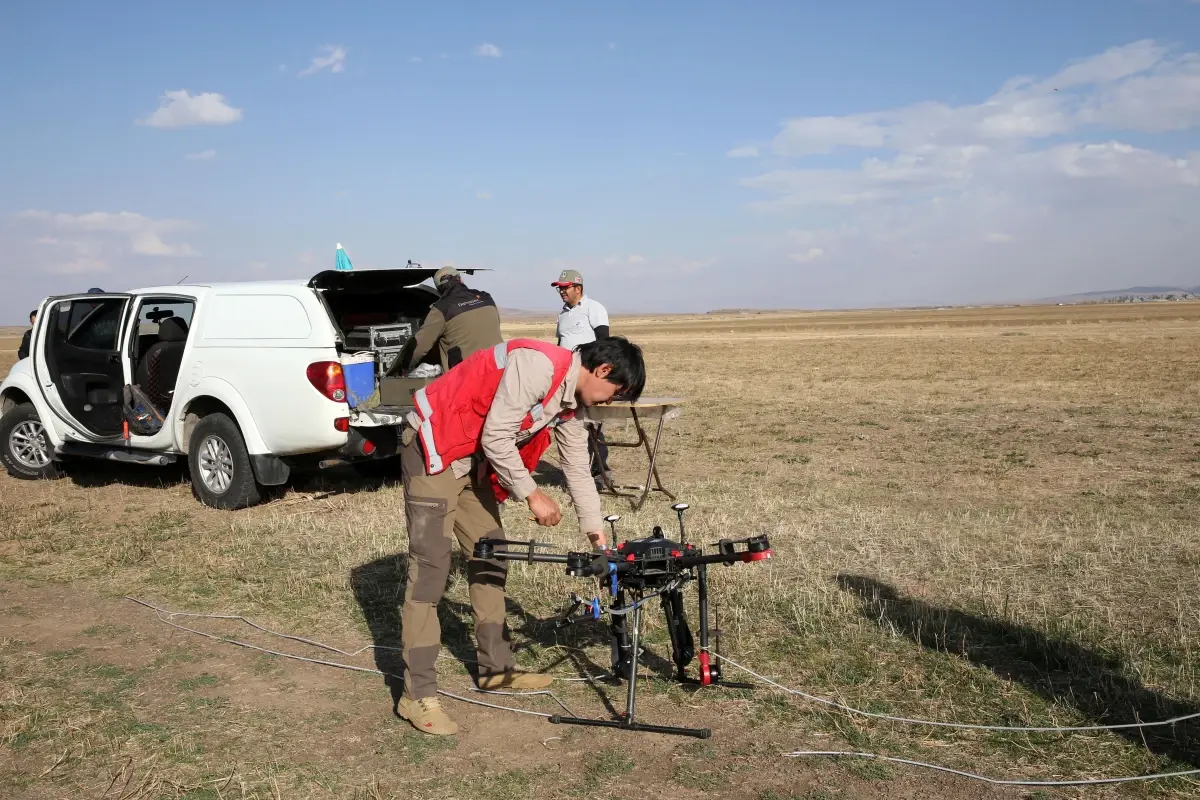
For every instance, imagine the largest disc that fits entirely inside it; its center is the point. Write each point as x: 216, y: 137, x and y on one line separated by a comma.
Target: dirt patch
x: 219, y: 716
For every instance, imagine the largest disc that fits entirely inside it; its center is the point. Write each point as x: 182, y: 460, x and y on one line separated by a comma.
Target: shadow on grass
x: 1062, y: 672
x: 379, y: 590
x: 93, y: 473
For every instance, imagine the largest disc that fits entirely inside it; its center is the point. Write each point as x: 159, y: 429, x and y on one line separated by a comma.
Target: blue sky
x: 683, y: 155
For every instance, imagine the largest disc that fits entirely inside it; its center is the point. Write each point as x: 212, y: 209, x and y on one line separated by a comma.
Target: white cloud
x: 1068, y: 172
x: 613, y: 45
x: 181, y: 108
x: 483, y: 195
x: 743, y: 151
x: 629, y: 260
x: 488, y: 50
x: 334, y: 60
x: 811, y: 254
x: 415, y: 59
x: 90, y: 241
x: 203, y: 155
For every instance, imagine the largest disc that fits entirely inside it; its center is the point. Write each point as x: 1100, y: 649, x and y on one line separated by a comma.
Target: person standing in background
x: 582, y: 320
x: 23, y: 350
x: 462, y: 321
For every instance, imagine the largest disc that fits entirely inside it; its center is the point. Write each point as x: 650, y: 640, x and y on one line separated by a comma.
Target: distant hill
x: 1132, y: 291
x: 520, y: 313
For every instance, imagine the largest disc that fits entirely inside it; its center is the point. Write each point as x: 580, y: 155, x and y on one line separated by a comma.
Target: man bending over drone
x: 472, y: 441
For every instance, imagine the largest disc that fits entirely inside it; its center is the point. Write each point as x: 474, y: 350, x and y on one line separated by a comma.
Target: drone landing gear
x: 643, y: 568
x: 624, y: 658
x: 626, y: 652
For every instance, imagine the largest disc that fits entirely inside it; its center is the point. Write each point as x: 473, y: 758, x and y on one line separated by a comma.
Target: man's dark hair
x: 625, y: 358
x: 32, y: 313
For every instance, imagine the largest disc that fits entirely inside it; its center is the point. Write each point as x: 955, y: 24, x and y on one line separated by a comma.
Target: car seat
x: 158, y: 370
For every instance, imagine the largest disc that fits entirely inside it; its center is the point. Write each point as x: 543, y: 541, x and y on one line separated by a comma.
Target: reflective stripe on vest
x: 435, y: 460
x: 425, y: 431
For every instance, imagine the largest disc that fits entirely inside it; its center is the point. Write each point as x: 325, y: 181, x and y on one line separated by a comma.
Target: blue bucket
x: 359, y: 370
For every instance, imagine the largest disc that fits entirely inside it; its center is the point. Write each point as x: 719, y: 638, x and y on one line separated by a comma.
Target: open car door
x: 78, y: 361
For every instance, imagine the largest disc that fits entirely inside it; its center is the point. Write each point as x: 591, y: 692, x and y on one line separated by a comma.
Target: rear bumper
x: 362, y: 444
x: 379, y: 416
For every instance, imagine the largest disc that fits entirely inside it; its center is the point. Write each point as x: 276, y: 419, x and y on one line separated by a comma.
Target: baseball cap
x: 443, y: 273
x: 568, y: 277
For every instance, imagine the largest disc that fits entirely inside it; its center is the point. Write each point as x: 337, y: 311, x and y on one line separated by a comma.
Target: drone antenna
x: 181, y: 280
x: 611, y: 519
x: 679, y: 508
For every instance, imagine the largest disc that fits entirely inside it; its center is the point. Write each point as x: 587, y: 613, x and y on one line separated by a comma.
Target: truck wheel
x: 24, y: 448
x: 219, y: 463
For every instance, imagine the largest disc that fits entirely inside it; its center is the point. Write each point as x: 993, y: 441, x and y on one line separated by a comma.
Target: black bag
x: 141, y: 415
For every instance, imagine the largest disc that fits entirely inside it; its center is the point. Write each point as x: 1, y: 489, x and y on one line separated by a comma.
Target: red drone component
x: 705, y: 672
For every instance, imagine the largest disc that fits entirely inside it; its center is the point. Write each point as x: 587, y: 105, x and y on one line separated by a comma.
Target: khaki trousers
x: 438, y: 509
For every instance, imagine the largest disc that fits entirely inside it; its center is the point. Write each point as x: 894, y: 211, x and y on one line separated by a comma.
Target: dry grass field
x: 979, y: 515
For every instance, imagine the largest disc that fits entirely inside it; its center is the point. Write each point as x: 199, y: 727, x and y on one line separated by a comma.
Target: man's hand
x: 544, y: 510
x: 598, y: 540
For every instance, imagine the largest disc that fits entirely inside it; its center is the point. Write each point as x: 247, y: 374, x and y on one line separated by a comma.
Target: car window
x: 91, y: 324
x: 152, y: 312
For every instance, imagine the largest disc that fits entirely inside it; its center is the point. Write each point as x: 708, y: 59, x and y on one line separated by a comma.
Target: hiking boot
x: 514, y: 679
x: 426, y: 715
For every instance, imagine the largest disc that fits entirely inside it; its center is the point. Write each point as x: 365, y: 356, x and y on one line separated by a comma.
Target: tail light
x: 328, y: 379
x: 342, y: 424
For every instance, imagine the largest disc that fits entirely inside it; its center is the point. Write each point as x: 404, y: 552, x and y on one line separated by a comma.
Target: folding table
x: 646, y: 408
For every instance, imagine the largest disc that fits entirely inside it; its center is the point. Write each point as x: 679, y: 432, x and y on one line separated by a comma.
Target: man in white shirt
x: 581, y: 320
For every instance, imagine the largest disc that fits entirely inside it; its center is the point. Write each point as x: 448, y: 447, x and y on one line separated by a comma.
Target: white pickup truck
x: 244, y: 380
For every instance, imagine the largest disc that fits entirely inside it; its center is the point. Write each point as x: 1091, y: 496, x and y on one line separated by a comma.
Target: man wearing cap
x: 582, y: 320
x: 462, y: 321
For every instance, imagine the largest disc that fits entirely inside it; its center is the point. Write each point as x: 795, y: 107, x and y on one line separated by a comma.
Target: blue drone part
x: 595, y: 608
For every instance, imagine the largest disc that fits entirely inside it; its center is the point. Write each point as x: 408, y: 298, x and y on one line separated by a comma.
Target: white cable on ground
x: 984, y: 778
x: 256, y: 626
x: 970, y: 726
x: 159, y: 612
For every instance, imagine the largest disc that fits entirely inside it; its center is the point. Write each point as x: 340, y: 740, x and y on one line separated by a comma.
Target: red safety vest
x: 453, y: 408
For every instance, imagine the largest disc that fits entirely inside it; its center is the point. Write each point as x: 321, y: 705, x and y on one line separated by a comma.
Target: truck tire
x: 24, y: 449
x: 222, y: 476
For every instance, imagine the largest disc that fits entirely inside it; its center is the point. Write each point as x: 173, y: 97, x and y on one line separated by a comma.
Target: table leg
x: 652, y: 452
x: 643, y: 441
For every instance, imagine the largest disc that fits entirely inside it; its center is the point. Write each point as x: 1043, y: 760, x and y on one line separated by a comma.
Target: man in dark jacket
x: 23, y: 350
x: 462, y: 321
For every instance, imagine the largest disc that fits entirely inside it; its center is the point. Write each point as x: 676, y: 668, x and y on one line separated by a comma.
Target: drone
x: 636, y: 572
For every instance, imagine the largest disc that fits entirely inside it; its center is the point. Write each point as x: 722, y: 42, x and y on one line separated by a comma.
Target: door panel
x: 79, y: 362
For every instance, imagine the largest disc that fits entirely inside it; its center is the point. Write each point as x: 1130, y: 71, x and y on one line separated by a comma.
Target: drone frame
x: 643, y: 569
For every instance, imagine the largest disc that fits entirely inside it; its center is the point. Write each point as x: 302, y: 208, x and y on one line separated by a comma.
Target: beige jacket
x: 524, y: 383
